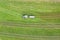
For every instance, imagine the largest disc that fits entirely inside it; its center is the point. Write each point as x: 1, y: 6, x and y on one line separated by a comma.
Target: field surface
x: 45, y: 25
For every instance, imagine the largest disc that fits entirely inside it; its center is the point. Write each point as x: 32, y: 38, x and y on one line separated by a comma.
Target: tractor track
x: 28, y: 36
x: 40, y: 25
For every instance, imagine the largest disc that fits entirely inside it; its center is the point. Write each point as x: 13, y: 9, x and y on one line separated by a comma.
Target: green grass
x: 28, y: 38
x: 30, y: 31
x: 14, y: 38
x: 13, y: 10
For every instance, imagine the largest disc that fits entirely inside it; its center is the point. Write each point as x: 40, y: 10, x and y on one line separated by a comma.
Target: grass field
x: 28, y: 33
x: 13, y: 10
x: 46, y: 25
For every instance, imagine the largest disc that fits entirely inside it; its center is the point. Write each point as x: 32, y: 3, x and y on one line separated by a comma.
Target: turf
x: 28, y: 38
x: 13, y: 10
x: 11, y: 13
x: 30, y: 31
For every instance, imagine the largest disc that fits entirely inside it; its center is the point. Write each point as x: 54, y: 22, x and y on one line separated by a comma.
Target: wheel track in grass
x: 26, y: 36
x: 37, y: 0
x: 38, y: 25
x: 29, y: 36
